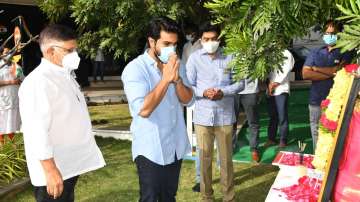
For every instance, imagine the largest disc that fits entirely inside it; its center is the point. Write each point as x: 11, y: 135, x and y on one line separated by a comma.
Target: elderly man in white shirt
x: 59, y: 143
x: 278, y: 92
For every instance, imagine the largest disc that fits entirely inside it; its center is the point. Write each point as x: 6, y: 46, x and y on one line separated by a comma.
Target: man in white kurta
x: 59, y: 142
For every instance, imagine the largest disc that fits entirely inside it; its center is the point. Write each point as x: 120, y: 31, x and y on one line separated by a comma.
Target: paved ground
x: 105, y: 92
x: 112, y: 91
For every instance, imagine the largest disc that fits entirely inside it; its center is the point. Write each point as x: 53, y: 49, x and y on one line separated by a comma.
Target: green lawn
x: 115, y: 116
x: 118, y: 181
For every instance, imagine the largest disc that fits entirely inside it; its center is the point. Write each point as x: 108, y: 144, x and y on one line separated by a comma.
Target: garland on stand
x: 331, y: 110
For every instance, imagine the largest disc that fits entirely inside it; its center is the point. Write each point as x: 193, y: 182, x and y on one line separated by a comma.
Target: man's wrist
x: 179, y: 80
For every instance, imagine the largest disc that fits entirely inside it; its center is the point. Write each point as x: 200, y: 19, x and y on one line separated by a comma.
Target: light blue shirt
x: 203, y: 73
x: 163, y: 134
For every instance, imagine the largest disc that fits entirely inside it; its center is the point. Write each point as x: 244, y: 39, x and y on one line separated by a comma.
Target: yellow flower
x: 336, y: 96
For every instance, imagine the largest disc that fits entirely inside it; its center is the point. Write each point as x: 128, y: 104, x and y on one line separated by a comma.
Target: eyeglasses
x: 330, y: 33
x: 66, y: 49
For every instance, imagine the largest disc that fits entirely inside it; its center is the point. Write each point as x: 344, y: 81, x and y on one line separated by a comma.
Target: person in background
x: 99, y: 66
x: 193, y: 43
x: 58, y: 137
x: 156, y: 88
x: 10, y: 81
x: 320, y: 67
x: 278, y: 91
x: 248, y: 100
x: 214, y: 115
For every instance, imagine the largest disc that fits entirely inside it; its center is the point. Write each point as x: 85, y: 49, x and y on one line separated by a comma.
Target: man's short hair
x: 162, y: 24
x: 208, y: 27
x: 332, y: 23
x: 54, y: 33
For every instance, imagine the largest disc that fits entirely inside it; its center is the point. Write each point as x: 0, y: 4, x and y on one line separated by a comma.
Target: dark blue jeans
x: 278, y: 113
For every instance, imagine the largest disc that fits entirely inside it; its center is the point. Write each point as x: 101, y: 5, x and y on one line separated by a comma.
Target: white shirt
x: 283, y: 77
x: 188, y: 49
x: 56, y: 124
x: 99, y: 56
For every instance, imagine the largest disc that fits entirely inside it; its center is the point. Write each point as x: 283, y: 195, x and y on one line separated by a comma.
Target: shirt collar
x: 148, y: 59
x: 53, y: 67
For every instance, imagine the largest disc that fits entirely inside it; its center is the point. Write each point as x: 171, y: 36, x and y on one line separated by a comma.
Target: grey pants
x: 249, y: 103
x: 314, y: 114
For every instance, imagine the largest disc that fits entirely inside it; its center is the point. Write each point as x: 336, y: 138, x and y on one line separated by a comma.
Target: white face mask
x: 71, y: 61
x: 189, y: 37
x: 211, y: 46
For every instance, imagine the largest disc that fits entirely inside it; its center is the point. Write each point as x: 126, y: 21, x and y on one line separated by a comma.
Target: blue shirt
x: 162, y: 135
x: 203, y: 73
x: 321, y: 57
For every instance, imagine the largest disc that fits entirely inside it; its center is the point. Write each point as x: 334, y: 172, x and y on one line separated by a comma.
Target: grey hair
x: 55, y: 33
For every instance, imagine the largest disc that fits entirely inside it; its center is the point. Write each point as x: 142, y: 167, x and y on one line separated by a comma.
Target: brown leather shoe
x: 255, y: 156
x: 269, y: 143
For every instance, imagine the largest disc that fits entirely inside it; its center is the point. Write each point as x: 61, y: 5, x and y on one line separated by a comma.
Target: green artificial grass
x: 298, y: 125
x: 118, y: 181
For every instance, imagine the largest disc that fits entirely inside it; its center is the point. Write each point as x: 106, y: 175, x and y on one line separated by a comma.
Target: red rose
x: 328, y: 124
x: 325, y: 103
x: 351, y: 67
x: 323, y: 119
x: 332, y: 125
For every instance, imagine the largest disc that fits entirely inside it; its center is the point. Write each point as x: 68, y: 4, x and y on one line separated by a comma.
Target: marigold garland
x: 331, y: 108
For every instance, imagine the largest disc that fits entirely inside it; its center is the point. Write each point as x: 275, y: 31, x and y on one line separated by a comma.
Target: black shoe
x: 196, y: 187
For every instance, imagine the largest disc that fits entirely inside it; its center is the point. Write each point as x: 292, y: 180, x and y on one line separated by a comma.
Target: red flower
x: 328, y: 124
x: 307, y: 189
x: 325, y: 103
x: 332, y: 125
x: 323, y: 118
x: 351, y: 67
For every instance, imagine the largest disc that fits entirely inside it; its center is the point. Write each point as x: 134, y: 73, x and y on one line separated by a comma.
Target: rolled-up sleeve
x: 135, y: 87
x: 36, y: 115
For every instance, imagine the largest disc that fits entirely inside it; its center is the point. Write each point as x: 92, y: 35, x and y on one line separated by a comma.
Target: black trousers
x: 157, y: 183
x: 41, y: 194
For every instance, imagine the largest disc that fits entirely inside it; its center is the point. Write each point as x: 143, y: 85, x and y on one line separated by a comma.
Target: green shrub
x: 12, y: 160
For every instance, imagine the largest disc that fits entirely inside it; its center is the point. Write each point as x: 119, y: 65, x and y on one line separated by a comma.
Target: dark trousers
x: 249, y: 103
x: 41, y: 194
x: 98, y: 69
x: 157, y: 182
x: 278, y: 113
